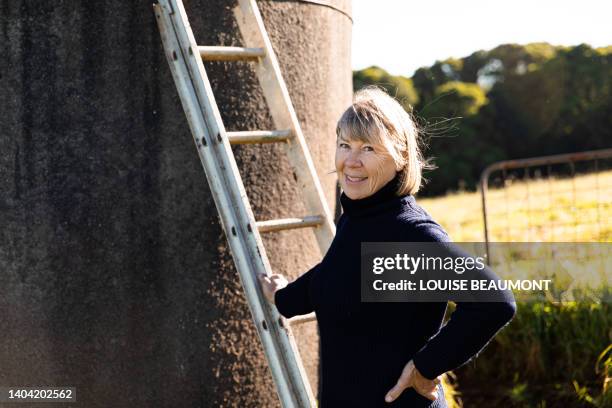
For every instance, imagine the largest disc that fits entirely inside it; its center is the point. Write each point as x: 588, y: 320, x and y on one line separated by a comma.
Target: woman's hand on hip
x: 411, y: 377
x: 270, y: 284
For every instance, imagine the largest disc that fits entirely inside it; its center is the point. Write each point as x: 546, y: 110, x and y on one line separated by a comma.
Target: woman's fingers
x: 279, y: 280
x: 412, y: 378
x: 426, y: 384
x: 396, y: 391
x: 270, y: 284
x: 271, y: 279
x: 403, y: 382
x: 267, y: 287
x: 427, y: 388
x: 265, y: 280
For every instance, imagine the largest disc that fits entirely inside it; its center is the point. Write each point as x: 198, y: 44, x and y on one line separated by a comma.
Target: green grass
x: 550, y: 355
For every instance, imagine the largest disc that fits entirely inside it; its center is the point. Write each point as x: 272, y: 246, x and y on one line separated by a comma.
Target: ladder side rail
x: 283, y: 114
x: 247, y: 249
x: 199, y: 127
x: 223, y: 202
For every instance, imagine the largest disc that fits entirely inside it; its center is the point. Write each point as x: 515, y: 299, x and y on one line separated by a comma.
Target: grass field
x: 541, y: 210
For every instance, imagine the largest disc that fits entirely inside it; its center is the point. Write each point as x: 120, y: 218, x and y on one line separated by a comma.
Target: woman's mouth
x: 354, y: 180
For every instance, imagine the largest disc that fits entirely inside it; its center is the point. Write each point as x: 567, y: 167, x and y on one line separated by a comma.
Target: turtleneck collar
x: 385, y: 197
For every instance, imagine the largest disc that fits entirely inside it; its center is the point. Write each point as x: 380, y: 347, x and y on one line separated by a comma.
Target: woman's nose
x: 353, y: 160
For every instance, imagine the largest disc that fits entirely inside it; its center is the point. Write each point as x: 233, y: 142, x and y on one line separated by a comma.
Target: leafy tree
x: 458, y: 99
x: 456, y: 143
x: 428, y: 79
x: 398, y: 86
x: 513, y: 101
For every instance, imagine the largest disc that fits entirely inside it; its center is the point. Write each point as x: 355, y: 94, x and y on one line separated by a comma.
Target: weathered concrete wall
x: 116, y: 276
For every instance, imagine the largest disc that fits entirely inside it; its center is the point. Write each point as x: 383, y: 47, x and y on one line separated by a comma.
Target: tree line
x: 513, y: 101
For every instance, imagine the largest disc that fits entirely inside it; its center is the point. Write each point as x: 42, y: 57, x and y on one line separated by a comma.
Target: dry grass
x: 575, y: 209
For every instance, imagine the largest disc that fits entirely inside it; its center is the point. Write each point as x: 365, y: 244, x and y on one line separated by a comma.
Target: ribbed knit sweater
x: 365, y: 346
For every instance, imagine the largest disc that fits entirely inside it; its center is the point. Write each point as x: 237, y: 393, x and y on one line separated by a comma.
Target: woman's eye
x: 368, y: 148
x: 344, y: 145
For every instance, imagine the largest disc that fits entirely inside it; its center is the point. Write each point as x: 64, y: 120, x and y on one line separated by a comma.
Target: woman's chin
x: 354, y: 195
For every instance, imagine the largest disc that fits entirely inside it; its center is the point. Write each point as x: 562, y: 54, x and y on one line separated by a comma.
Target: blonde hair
x: 377, y: 118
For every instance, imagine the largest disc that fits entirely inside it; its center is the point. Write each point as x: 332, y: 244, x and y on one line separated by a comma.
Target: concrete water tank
x: 117, y: 278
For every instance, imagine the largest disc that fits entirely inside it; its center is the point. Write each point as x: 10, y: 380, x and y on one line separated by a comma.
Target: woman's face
x: 363, y: 168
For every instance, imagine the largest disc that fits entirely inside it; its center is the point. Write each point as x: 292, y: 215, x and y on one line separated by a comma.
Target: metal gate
x: 560, y: 198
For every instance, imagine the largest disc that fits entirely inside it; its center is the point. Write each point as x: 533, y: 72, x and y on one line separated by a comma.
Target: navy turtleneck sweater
x: 365, y: 346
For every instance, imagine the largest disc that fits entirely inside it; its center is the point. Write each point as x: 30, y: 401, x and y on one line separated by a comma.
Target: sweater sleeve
x: 294, y: 299
x: 470, y: 328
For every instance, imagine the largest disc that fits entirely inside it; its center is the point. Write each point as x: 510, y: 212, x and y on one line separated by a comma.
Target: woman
x: 381, y: 354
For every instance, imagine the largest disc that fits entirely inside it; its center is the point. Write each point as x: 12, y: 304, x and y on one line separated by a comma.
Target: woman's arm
x: 294, y: 299
x: 470, y: 328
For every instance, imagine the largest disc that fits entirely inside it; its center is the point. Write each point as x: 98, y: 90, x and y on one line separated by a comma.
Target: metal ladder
x: 213, y: 144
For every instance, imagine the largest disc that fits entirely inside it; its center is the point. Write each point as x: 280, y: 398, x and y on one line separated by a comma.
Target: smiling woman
x: 376, y: 140
x: 376, y: 355
x: 362, y: 168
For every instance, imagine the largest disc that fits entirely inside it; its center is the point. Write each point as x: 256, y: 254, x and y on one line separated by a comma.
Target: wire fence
x: 561, y: 198
x: 564, y: 198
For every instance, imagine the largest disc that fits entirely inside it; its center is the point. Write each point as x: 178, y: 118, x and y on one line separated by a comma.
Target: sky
x: 403, y: 35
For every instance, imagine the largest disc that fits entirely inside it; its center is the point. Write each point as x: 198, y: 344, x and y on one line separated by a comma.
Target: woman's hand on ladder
x: 270, y: 284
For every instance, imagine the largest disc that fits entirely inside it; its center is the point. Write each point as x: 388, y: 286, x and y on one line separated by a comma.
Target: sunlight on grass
x: 541, y: 210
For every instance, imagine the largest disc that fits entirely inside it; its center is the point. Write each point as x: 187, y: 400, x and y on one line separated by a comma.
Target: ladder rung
x: 218, y: 53
x: 258, y: 136
x: 289, y: 223
x: 297, y: 320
